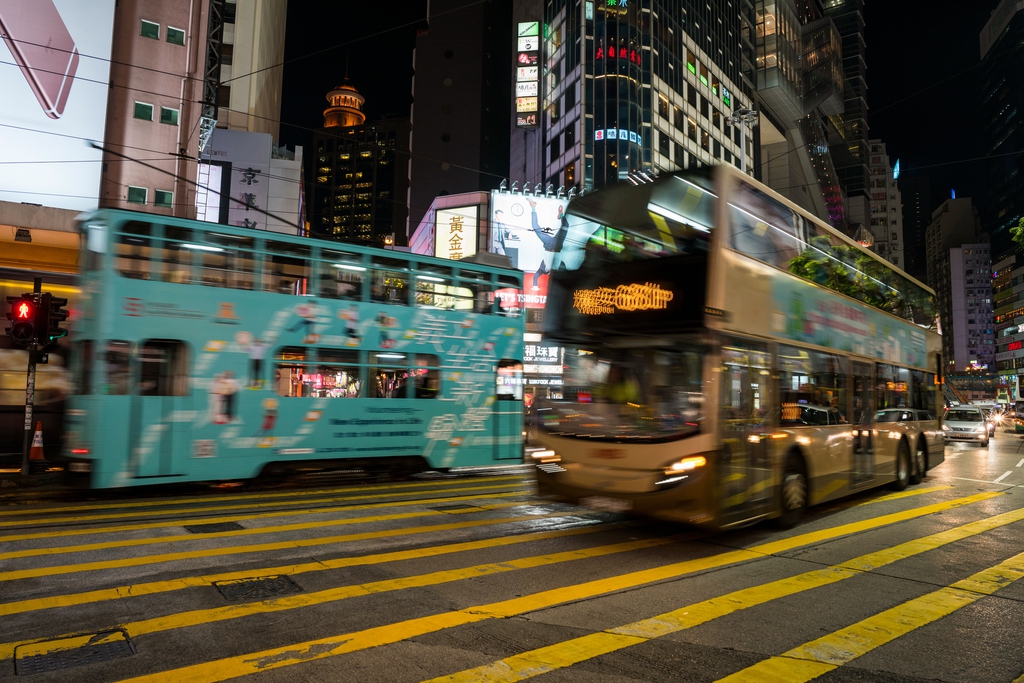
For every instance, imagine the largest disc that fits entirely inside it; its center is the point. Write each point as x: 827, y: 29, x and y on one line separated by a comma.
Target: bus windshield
x: 639, y: 393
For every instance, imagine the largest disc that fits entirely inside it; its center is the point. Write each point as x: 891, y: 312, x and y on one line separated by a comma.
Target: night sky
x: 924, y: 78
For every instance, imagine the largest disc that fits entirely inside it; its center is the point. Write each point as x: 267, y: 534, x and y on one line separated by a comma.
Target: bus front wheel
x: 792, y: 493
x: 902, y: 467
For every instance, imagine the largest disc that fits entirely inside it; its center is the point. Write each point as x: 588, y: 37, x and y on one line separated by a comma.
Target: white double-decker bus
x: 730, y: 358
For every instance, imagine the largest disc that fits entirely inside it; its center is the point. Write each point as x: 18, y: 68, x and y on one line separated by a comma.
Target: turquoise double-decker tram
x: 206, y: 352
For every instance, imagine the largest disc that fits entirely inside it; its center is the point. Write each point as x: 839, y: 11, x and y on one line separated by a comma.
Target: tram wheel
x: 919, y: 464
x: 902, y: 467
x: 792, y: 493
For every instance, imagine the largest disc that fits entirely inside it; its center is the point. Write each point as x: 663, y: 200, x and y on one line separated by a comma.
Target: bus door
x: 161, y: 409
x: 744, y: 462
x: 508, y: 411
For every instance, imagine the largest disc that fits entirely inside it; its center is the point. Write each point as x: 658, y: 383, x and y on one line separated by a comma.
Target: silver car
x: 966, y: 424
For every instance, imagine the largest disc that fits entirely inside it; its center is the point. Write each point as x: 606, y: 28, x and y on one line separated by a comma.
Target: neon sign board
x: 618, y: 53
x: 633, y: 297
x: 1015, y: 346
x: 527, y: 73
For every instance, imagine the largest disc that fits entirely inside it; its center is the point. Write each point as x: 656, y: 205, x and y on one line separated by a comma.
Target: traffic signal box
x: 36, y: 321
x: 23, y: 315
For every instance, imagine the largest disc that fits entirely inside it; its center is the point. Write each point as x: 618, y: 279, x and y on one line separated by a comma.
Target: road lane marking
x: 1020, y: 462
x: 819, y: 656
x: 232, y: 497
x: 100, y: 545
x: 243, y: 665
x: 249, y: 506
x: 903, y: 494
x: 37, y: 572
x: 1003, y: 476
x: 561, y: 655
x: 227, y: 612
x: 154, y: 587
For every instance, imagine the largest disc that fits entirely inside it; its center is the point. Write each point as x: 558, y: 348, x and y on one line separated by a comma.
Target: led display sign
x: 631, y: 297
x: 1015, y: 346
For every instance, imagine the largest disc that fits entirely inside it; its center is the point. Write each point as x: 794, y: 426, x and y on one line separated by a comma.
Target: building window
x: 150, y: 30
x: 176, y: 36
x: 169, y: 116
x: 678, y: 117
x: 144, y: 111
x: 163, y: 198
x: 664, y: 143
x: 691, y: 129
x: 663, y: 106
x: 570, y: 174
x: 137, y: 195
x: 230, y: 9
x: 227, y: 54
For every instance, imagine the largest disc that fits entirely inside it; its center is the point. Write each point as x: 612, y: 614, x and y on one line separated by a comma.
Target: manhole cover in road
x: 213, y: 528
x: 65, y: 653
x: 458, y: 507
x: 257, y: 589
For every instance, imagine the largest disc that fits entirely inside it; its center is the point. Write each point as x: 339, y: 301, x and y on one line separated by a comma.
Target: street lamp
x: 744, y: 118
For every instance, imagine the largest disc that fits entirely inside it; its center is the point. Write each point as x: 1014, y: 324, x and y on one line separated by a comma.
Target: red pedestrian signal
x: 23, y: 316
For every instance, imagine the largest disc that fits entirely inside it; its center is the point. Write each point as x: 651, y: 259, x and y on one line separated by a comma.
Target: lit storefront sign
x: 617, y: 134
x: 543, y: 360
x: 456, y: 232
x: 527, y: 73
x: 618, y: 53
x: 633, y: 297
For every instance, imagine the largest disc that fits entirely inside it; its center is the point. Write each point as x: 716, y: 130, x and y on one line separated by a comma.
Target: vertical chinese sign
x: 455, y: 235
x: 527, y: 73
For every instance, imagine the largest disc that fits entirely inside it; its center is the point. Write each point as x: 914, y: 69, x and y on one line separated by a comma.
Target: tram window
x: 83, y: 374
x: 390, y: 281
x: 133, y: 250
x: 290, y: 370
x: 176, y: 255
x: 426, y: 375
x: 436, y: 288
x: 163, y: 368
x: 341, y: 276
x: 286, y: 268
x: 891, y: 387
x: 227, y: 262
x: 480, y: 289
x: 389, y: 378
x: 117, y: 357
x: 510, y: 297
x: 510, y: 380
x: 95, y: 247
x: 338, y: 374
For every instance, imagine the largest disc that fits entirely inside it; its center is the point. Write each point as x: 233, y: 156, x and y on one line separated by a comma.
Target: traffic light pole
x: 30, y: 390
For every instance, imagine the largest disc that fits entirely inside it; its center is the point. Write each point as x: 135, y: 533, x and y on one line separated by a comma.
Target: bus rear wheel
x: 792, y: 493
x: 902, y: 467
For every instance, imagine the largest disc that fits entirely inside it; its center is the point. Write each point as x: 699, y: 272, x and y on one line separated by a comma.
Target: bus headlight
x: 685, y: 465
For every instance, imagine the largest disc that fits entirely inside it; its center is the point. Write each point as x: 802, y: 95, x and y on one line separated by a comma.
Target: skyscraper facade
x: 917, y: 213
x: 1002, y: 94
x: 628, y: 88
x: 886, y: 207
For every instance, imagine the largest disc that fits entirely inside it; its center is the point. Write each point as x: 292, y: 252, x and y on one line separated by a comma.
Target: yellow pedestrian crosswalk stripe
x: 413, y: 487
x: 155, y: 587
x: 37, y: 572
x: 278, y: 512
x: 297, y: 653
x: 546, y: 659
x: 252, y: 531
x: 819, y: 656
x: 206, y: 616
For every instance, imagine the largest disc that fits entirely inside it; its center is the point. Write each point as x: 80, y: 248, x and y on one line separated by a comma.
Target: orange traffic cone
x: 37, y: 461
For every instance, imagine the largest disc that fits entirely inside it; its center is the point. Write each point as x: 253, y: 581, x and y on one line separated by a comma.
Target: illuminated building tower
x: 360, y: 174
x: 625, y: 88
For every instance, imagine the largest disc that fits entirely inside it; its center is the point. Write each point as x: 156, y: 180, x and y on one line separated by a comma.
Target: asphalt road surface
x: 470, y: 578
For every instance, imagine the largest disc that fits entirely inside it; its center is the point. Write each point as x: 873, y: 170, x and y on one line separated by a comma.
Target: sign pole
x: 30, y: 389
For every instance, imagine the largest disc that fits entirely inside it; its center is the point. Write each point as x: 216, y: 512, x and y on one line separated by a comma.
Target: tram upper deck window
x: 286, y: 268
x: 479, y: 288
x: 341, y: 275
x: 176, y: 255
x: 436, y: 288
x: 510, y: 297
x: 226, y: 261
x: 133, y: 250
x: 95, y: 243
x: 390, y: 281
